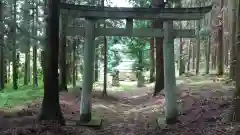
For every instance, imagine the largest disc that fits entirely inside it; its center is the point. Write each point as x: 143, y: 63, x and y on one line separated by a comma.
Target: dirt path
x: 135, y: 113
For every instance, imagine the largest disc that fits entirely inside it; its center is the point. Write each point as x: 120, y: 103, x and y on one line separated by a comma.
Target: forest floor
x: 203, y: 102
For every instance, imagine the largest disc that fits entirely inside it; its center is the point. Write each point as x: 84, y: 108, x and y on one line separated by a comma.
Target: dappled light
x: 198, y: 110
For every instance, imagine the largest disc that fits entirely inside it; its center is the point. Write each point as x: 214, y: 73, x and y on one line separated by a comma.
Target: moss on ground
x: 26, y: 94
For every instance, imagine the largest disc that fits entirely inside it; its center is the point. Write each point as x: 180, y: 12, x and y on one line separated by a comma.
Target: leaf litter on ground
x: 201, y: 114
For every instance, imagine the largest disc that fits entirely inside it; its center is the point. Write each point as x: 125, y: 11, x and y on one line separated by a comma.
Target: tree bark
x: 2, y: 66
x: 34, y: 28
x: 140, y: 77
x: 42, y: 61
x: 35, y: 74
x: 62, y: 50
x: 105, y: 66
x: 27, y: 74
x: 2, y: 83
x: 182, y: 59
x: 233, y: 54
x: 225, y: 38
x: 96, y: 72
x: 152, y: 60
x: 198, y: 47
x: 208, y: 45
x: 74, y: 63
x: 14, y: 53
x: 8, y: 71
x: 236, y: 101
x: 226, y: 52
x: 214, y: 57
x: 105, y: 50
x: 220, y: 56
x: 208, y: 50
x: 27, y: 67
x: 5, y: 71
x: 189, y: 56
x: 159, y: 84
x: 193, y: 55
x: 50, y: 110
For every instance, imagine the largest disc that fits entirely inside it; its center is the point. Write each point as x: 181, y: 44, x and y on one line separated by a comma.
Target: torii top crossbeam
x: 80, y: 11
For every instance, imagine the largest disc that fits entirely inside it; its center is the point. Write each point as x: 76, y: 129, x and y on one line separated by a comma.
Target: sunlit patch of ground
x: 10, y: 99
x: 201, y: 103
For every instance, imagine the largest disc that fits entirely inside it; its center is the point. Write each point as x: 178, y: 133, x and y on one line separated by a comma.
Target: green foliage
x: 204, y: 33
x: 114, y: 57
x: 138, y: 46
x: 140, y: 3
x: 11, y: 98
x: 118, y: 47
x: 145, y: 66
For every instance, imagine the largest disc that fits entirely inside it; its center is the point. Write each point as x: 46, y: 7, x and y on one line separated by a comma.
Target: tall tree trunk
x: 14, y: 56
x: 62, y: 50
x: 27, y: 67
x: 105, y: 50
x: 233, y: 54
x: 152, y: 59
x: 208, y: 50
x: 220, y: 56
x: 208, y: 45
x: 189, y: 56
x: 225, y: 37
x: 159, y: 84
x: 69, y: 80
x: 74, y: 63
x: 42, y: 61
x: 236, y: 101
x: 27, y: 74
x: 193, y: 55
x: 96, y: 64
x: 198, y: 47
x: 2, y: 83
x: 50, y: 110
x: 69, y: 66
x: 140, y: 77
x: 182, y: 60
x: 194, y: 49
x: 8, y: 71
x: 105, y: 66
x: 214, y: 58
x: 35, y: 74
x: 77, y: 71
x: 18, y: 60
x: 2, y: 66
x: 226, y: 52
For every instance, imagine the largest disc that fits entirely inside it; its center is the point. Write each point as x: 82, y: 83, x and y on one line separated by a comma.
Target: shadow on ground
x: 202, y: 108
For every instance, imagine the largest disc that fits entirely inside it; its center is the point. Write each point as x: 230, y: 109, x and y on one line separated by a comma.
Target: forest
x: 59, y: 76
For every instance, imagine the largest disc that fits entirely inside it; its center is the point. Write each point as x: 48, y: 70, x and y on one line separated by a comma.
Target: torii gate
x: 93, y: 13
